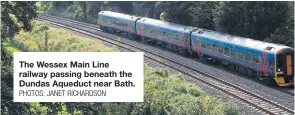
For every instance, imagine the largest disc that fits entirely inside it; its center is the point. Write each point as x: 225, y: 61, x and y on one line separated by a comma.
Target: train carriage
x: 117, y: 22
x: 266, y: 61
x: 256, y: 58
x: 175, y: 35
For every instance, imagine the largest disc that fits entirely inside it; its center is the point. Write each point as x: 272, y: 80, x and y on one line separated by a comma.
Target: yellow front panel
x: 289, y: 64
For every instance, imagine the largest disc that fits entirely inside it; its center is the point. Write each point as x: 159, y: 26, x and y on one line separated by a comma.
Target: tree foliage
x: 16, y: 16
x: 255, y: 20
x: 270, y: 21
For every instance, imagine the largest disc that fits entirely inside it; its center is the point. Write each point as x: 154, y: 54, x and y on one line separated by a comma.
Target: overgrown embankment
x: 163, y: 93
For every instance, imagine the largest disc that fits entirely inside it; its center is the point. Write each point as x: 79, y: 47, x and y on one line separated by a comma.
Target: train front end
x: 284, y: 74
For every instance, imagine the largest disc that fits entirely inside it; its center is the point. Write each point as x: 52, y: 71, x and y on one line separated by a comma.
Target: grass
x: 58, y: 40
x: 12, y: 48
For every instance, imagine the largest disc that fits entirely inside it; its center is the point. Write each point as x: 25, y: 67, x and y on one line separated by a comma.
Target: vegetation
x: 45, y: 38
x: 11, y: 48
x: 164, y: 93
x: 271, y: 21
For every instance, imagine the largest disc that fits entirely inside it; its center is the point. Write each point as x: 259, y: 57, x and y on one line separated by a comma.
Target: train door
x: 198, y: 44
x: 186, y: 40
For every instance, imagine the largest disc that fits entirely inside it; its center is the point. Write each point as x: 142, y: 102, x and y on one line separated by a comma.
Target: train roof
x: 167, y: 25
x: 240, y: 41
x: 118, y: 15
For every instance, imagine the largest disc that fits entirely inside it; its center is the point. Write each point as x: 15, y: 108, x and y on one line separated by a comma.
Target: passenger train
x: 266, y: 61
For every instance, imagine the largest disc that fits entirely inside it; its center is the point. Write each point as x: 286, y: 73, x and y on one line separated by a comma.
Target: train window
x: 214, y: 47
x: 203, y: 44
x: 220, y: 49
x: 256, y: 59
x: 209, y: 46
x: 248, y: 56
x: 234, y: 53
x: 226, y: 51
x: 241, y: 54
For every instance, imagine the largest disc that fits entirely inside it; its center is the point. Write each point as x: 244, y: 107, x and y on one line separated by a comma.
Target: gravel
x: 246, y: 83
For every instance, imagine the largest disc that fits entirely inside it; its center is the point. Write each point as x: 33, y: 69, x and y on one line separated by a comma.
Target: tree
x: 16, y: 16
x: 201, y: 14
x: 255, y: 20
x: 174, y: 11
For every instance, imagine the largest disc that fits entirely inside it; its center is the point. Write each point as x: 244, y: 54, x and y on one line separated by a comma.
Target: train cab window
x: 256, y: 59
x: 203, y: 44
x: 248, y: 56
x: 234, y: 53
x: 241, y: 54
x: 220, y: 49
x: 214, y: 47
x: 226, y: 51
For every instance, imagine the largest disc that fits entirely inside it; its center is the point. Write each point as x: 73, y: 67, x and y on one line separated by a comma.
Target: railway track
x: 287, y: 90
x: 265, y: 105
